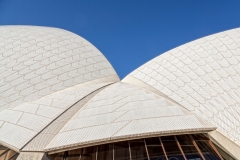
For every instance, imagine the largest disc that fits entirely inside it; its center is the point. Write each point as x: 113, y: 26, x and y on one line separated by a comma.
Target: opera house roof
x: 58, y: 92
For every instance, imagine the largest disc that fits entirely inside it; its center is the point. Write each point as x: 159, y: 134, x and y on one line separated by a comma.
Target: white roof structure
x: 58, y: 92
x: 203, y: 76
x: 122, y: 111
x: 37, y: 61
x: 44, y: 71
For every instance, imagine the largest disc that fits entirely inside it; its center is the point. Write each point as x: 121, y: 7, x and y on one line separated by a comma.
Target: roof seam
x: 133, y: 120
x: 58, y: 117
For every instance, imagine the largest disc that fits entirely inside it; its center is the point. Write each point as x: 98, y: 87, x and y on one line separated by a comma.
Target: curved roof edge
x: 202, y: 76
x: 39, y: 65
x: 131, y: 112
x: 37, y: 61
x: 37, y: 115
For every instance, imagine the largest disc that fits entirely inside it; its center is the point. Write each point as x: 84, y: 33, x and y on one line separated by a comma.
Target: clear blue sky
x: 128, y: 32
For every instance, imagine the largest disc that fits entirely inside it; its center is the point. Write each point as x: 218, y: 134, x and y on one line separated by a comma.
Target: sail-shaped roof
x: 43, y: 72
x: 203, y: 76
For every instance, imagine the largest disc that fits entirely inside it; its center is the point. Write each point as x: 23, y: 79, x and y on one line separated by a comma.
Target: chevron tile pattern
x: 43, y: 72
x: 37, y: 61
x: 122, y: 111
x: 204, y: 77
x: 20, y: 124
x: 58, y: 92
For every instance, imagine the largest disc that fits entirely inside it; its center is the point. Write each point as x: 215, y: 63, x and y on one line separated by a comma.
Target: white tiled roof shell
x: 203, y: 76
x: 37, y: 61
x: 22, y: 123
x: 43, y: 72
x: 122, y: 111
